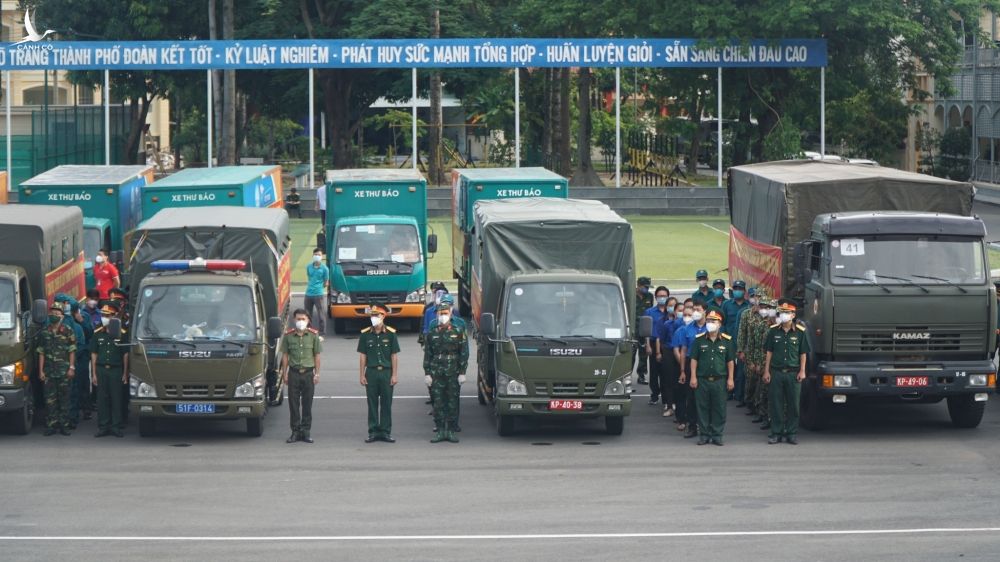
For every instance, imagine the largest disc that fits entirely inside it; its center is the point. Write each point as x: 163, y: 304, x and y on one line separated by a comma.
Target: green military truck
x: 890, y: 274
x: 471, y: 185
x: 553, y: 309
x: 42, y: 256
x: 377, y: 244
x: 209, y: 297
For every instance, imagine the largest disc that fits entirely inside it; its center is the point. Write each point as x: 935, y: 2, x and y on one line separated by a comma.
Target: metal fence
x: 649, y: 160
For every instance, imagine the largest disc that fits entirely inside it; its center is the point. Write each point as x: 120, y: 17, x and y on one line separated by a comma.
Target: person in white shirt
x: 321, y: 203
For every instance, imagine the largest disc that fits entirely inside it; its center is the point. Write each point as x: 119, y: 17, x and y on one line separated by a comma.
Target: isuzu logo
x: 378, y: 272
x: 194, y: 354
x: 911, y: 335
x: 565, y: 351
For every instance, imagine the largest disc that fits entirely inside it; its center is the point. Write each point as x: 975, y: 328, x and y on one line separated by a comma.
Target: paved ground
x: 895, y: 483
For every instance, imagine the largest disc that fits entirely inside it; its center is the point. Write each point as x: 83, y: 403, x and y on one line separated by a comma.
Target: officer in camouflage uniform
x: 643, y: 301
x: 56, y: 369
x: 379, y: 349
x: 446, y: 357
x: 109, y: 363
x: 750, y: 347
x: 762, y: 401
x: 460, y: 324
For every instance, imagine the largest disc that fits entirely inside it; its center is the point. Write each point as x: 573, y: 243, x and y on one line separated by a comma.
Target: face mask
x: 670, y: 310
x: 785, y: 317
x: 712, y: 327
x: 753, y: 301
x: 376, y: 320
x: 99, y: 259
x: 696, y: 316
x: 317, y: 259
x: 643, y: 290
x: 737, y: 294
x: 54, y: 319
x: 105, y: 320
x: 661, y: 300
x: 688, y: 320
x: 301, y: 325
x: 764, y: 313
x: 91, y: 303
x: 772, y: 313
x: 718, y: 293
x: 444, y: 318
x: 703, y: 283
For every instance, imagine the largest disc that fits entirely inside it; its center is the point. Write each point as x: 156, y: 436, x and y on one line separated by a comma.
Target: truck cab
x: 17, y: 354
x: 200, y: 341
x: 97, y: 235
x: 899, y: 307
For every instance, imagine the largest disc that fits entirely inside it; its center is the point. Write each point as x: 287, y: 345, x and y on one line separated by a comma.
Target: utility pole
x: 435, y: 161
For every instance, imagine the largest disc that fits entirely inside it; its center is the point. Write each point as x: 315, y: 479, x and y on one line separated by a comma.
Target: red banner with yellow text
x: 757, y: 264
x: 67, y: 278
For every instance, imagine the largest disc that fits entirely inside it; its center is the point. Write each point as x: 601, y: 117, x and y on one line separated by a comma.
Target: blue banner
x: 410, y: 53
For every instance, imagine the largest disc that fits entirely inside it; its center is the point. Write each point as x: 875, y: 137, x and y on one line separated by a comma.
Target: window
x: 36, y: 95
x: 65, y: 250
x: 905, y: 260
x: 84, y: 95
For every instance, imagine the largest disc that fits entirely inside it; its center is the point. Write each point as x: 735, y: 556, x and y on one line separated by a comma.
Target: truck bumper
x: 224, y: 409
x: 360, y: 311
x: 11, y: 399
x: 882, y: 381
x: 534, y: 406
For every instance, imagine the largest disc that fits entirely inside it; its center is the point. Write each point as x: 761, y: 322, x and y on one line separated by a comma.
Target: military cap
x: 109, y: 309
x: 644, y: 281
x: 444, y: 306
x: 701, y: 274
x: 714, y: 315
x: 786, y: 306
x: 752, y: 292
x: 118, y: 291
x: 56, y: 306
x: 719, y: 282
x: 448, y: 300
x: 377, y: 309
x: 438, y: 286
x: 740, y: 284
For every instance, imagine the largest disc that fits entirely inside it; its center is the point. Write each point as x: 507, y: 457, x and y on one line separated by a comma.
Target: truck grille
x: 565, y: 389
x: 949, y: 338
x: 194, y: 391
x: 380, y: 298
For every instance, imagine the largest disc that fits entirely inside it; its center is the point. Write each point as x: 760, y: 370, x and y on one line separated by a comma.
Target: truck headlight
x: 250, y: 389
x: 343, y: 298
x: 7, y: 373
x: 416, y: 296
x: 617, y: 387
x: 507, y: 386
x: 843, y: 381
x: 139, y: 389
x: 974, y: 380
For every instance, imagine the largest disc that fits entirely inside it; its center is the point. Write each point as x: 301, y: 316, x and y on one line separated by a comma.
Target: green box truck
x: 209, y: 300
x: 553, y: 307
x: 471, y: 185
x: 890, y: 274
x: 240, y: 186
x: 377, y: 244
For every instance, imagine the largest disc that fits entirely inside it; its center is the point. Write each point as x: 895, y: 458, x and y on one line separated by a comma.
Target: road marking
x: 715, y: 229
x: 422, y: 397
x: 526, y: 537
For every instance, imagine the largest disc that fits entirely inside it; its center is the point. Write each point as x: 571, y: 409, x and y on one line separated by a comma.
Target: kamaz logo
x: 565, y: 352
x: 194, y: 354
x: 911, y: 335
x: 378, y: 272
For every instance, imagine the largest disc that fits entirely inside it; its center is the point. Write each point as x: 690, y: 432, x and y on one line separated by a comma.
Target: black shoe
x: 690, y: 434
x: 429, y: 401
x: 717, y: 441
x: 102, y: 433
x: 388, y: 438
x: 434, y: 429
x: 87, y: 416
x: 773, y: 439
x: 456, y: 428
x: 306, y: 439
x: 642, y: 380
x: 653, y: 402
x: 292, y: 438
x: 371, y: 438
x: 757, y: 419
x: 118, y: 433
x: 49, y: 431
x: 703, y: 440
x: 792, y: 440
x: 766, y: 425
x: 750, y: 413
x: 63, y: 431
x: 71, y: 426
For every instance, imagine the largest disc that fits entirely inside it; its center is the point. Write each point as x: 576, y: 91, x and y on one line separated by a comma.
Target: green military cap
x: 644, y: 281
x: 447, y: 299
x: 377, y: 309
x: 740, y: 284
x: 444, y: 306
x: 719, y: 282
x: 701, y: 274
x: 56, y: 307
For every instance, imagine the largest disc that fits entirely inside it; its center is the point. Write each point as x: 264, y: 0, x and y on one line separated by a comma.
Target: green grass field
x: 668, y: 249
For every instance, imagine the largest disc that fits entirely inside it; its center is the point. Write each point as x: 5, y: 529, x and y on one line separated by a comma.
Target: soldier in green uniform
x: 455, y: 319
x: 643, y: 301
x: 446, y: 357
x: 108, y: 367
x: 785, y: 369
x: 379, y: 350
x: 712, y: 361
x: 758, y: 339
x: 750, y: 347
x: 56, y: 369
x: 301, y: 347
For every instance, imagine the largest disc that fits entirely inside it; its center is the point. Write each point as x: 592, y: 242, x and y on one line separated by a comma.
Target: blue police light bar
x: 198, y: 265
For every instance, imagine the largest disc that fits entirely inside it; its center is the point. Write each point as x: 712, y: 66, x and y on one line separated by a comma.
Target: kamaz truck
x: 240, y: 186
x: 553, y: 310
x: 471, y: 185
x: 209, y: 301
x: 377, y: 245
x: 890, y: 275
x: 42, y: 256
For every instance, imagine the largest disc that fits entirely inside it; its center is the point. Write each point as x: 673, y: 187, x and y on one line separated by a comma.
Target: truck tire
x: 814, y: 412
x: 965, y: 412
x: 505, y: 425
x: 147, y: 426
x: 614, y: 425
x: 255, y: 426
x: 23, y: 419
x: 339, y: 326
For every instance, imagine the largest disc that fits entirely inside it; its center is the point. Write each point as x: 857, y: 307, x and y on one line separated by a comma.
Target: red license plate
x: 565, y: 404
x: 913, y: 381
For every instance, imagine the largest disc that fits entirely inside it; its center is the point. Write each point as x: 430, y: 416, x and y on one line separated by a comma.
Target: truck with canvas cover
x: 42, y: 256
x: 377, y: 244
x: 209, y: 300
x: 553, y: 309
x: 239, y: 186
x: 890, y: 276
x: 471, y: 185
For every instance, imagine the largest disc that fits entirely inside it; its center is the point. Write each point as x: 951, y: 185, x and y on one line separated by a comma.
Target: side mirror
x: 39, y: 311
x: 321, y: 240
x: 645, y: 327
x: 432, y: 244
x: 801, y: 258
x: 115, y: 328
x: 488, y: 324
x: 274, y: 328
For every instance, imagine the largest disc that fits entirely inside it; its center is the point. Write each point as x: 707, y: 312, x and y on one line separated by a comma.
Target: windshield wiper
x: 606, y: 340
x: 865, y: 279
x: 171, y: 340
x: 943, y: 280
x: 905, y: 280
x: 221, y: 340
x: 564, y: 342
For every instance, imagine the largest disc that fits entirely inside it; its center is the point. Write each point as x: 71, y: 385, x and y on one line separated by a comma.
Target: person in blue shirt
x: 732, y: 309
x: 438, y: 290
x: 316, y: 289
x: 79, y: 390
x: 658, y: 386
x: 690, y: 332
x: 664, y: 333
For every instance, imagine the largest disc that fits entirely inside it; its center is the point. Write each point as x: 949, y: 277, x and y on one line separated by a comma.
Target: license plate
x: 913, y: 381
x: 565, y: 404
x: 195, y: 408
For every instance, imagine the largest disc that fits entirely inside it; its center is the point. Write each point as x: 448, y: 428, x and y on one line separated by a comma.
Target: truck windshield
x: 196, y: 312
x: 7, y: 310
x: 905, y: 260
x: 378, y: 243
x: 91, y: 242
x: 555, y: 310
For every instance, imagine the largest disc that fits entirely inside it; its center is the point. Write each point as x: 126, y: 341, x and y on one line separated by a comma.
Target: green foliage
x: 784, y: 143
x: 192, y: 136
x: 273, y: 138
x: 953, y: 160
x: 400, y: 123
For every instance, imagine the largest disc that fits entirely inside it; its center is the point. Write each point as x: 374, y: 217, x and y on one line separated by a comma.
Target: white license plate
x: 195, y: 408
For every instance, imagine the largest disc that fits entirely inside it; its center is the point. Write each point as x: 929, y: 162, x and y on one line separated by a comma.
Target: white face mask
x: 753, y: 301
x: 688, y: 320
x: 99, y: 259
x: 764, y: 313
x: 697, y: 316
x: 444, y: 318
x: 105, y: 320
x: 703, y: 283
x: 785, y: 317
x: 772, y: 313
x: 91, y: 303
x: 376, y: 320
x: 301, y: 325
x: 317, y: 258
x: 712, y: 327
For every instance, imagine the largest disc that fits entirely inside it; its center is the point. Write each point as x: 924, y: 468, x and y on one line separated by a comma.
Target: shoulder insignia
x: 726, y: 336
x: 366, y: 330
x: 776, y: 325
x: 99, y: 329
x: 313, y: 330
x: 391, y: 329
x: 800, y: 327
x: 290, y: 330
x: 700, y: 335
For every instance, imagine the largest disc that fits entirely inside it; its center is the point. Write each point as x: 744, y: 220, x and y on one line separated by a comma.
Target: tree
x: 953, y: 158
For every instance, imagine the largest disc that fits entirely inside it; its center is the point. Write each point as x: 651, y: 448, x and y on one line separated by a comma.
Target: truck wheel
x: 814, y: 413
x: 965, y: 412
x: 614, y: 425
x: 505, y: 425
x: 147, y: 427
x: 22, y: 420
x: 255, y: 427
x: 339, y: 326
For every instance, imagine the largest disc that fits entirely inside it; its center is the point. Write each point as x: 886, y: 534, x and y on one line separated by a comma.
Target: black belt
x: 301, y: 370
x: 110, y: 366
x: 378, y: 367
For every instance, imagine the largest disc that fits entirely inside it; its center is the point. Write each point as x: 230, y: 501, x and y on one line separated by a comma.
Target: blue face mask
x: 661, y: 300
x: 670, y: 310
x: 737, y: 294
x: 719, y: 293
